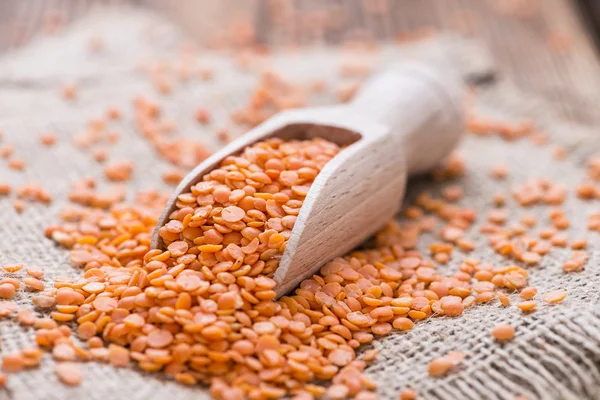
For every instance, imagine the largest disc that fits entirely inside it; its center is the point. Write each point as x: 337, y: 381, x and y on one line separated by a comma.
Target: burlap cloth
x: 556, y: 354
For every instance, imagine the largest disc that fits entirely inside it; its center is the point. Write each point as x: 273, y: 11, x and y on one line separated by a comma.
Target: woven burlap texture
x: 556, y: 354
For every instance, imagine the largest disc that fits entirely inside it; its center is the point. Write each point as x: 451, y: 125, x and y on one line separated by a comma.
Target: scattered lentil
x: 5, y: 189
x: 408, y: 394
x: 555, y: 296
x: 48, y: 139
x: 528, y: 305
x: 441, y: 366
x: 16, y: 164
x: 503, y: 332
x: 528, y: 293
x: 69, y: 373
x: 118, y: 170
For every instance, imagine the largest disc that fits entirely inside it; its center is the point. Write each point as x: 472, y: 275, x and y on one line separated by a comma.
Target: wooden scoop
x: 403, y: 121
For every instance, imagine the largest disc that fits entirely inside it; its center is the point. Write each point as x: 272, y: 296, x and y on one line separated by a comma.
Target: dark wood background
x: 544, y: 46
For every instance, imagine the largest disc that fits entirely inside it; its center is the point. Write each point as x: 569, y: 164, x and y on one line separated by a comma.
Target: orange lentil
x: 43, y: 301
x: 560, y: 239
x: 408, y: 394
x: 95, y: 342
x: 441, y: 366
x: 61, y: 317
x: 452, y: 193
x: 16, y: 164
x: 528, y: 293
x: 118, y: 355
x: 571, y: 265
x: 528, y: 305
x: 7, y: 291
x: 34, y: 272
x: 69, y: 91
x: 559, y: 153
x: 172, y: 176
x: 19, y: 206
x: 113, y: 113
x: 12, y: 268
x: 499, y: 171
x: 346, y: 91
x: 26, y: 317
x: 579, y: 244
x: 87, y: 330
x: 223, y: 135
x: 338, y: 392
x: 586, y: 191
x: 547, y: 233
x: 48, y: 139
x: 530, y: 257
x: 69, y: 373
x: 64, y: 352
x: 6, y: 150
x: 33, y: 283
x: 370, y: 355
x: 118, y: 170
x: 13, y: 362
x: 504, y: 300
x: 497, y: 216
x: 485, y: 297
x: 403, y: 324
x: 100, y: 155
x: 202, y: 116
x: 160, y: 338
x: 499, y: 200
x: 5, y: 189
x: 528, y: 220
x: 555, y: 296
x: 503, y: 332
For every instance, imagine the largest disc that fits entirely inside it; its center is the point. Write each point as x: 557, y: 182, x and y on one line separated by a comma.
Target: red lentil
x: 118, y: 171
x: 408, y: 394
x: 69, y: 91
x: 528, y: 305
x: 48, y: 139
x: 528, y: 293
x: 503, y: 332
x: 69, y: 373
x: 16, y: 164
x: 499, y: 171
x: 441, y: 366
x: 13, y: 362
x: 555, y: 296
x: 5, y: 189
x: 202, y: 116
x: 6, y: 150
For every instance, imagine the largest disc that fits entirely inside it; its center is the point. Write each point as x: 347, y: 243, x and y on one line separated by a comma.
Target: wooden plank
x: 519, y: 43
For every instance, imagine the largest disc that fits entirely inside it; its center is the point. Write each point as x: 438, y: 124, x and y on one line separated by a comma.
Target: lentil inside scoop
x: 237, y: 220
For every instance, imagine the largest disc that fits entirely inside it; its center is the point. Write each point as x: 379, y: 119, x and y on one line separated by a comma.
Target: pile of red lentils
x: 202, y: 310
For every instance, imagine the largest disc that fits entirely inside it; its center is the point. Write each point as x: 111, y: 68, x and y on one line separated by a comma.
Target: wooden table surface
x: 541, y: 45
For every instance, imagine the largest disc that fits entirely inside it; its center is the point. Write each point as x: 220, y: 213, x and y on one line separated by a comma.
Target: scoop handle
x: 421, y: 105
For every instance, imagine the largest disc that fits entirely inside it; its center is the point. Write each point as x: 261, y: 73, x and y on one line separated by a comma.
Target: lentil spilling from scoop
x: 202, y: 309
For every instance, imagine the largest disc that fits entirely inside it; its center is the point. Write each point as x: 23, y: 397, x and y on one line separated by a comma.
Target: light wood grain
x: 519, y: 44
x: 404, y: 120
